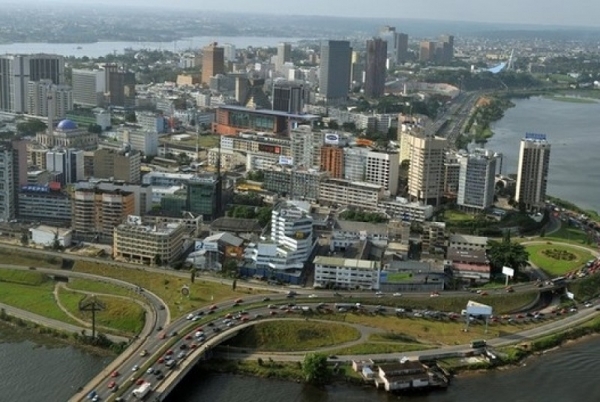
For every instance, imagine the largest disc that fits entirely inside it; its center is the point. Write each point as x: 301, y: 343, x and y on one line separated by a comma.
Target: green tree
x: 314, y: 368
x: 230, y: 268
x: 95, y: 129
x: 24, y: 239
x: 31, y: 126
x: 506, y: 253
x: 130, y: 117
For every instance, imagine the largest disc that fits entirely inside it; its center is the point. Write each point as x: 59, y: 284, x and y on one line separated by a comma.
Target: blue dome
x: 67, y: 125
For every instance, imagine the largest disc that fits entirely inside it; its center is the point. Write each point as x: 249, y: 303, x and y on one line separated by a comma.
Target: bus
x: 478, y: 344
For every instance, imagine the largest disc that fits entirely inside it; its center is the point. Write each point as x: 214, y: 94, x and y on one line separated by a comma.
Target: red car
x: 139, y: 381
x: 161, y: 360
x: 189, y: 337
x: 213, y: 307
x: 111, y: 384
x: 169, y: 352
x: 199, y: 329
x: 239, y: 301
x: 162, y: 336
x: 114, y: 374
x: 193, y: 346
x: 273, y: 312
x: 245, y: 319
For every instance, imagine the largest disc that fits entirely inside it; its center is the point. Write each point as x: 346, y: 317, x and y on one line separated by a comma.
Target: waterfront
x: 572, y: 129
x: 99, y: 49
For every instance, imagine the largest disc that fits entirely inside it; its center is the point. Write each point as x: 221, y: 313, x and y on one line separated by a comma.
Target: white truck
x: 143, y: 390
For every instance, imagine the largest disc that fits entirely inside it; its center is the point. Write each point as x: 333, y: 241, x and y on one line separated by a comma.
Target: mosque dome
x: 67, y: 125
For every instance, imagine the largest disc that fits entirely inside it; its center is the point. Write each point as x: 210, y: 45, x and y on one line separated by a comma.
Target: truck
x: 143, y: 390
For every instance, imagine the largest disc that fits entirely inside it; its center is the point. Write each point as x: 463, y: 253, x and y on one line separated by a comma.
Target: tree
x: 230, y: 268
x: 193, y: 274
x: 314, y: 368
x: 94, y: 129
x: 130, y: 117
x: 506, y: 253
x: 24, y: 239
x: 31, y: 126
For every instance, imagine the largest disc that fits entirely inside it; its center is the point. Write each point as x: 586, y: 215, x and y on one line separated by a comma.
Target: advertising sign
x: 476, y: 309
x: 508, y: 271
x: 332, y: 139
x: 286, y: 160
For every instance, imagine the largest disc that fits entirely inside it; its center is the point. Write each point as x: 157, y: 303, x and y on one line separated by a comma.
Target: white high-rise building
x: 426, y: 170
x: 284, y: 55
x: 89, y: 87
x: 383, y: 168
x: 532, y: 174
x: 229, y: 52
x: 476, y: 180
x: 306, y: 147
x: 44, y: 98
x: 68, y: 162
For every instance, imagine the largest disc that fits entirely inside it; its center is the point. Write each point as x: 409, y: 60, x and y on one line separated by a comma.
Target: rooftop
x: 346, y: 262
x: 270, y: 112
x: 467, y: 256
x: 460, y: 238
x: 236, y: 225
x: 357, y: 227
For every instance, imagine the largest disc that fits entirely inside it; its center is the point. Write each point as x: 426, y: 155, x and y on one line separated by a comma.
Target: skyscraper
x: 476, y: 180
x: 45, y: 98
x: 288, y: 97
x: 334, y: 79
x: 426, y: 170
x: 532, y: 174
x: 89, y: 87
x: 447, y: 48
x: 400, y: 47
x: 68, y: 163
x: 284, y: 55
x: 213, y: 62
x: 383, y: 168
x: 426, y: 51
x: 17, y: 70
x: 376, y: 68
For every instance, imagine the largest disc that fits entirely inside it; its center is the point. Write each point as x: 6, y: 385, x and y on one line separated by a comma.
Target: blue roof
x: 67, y: 125
x: 497, y: 69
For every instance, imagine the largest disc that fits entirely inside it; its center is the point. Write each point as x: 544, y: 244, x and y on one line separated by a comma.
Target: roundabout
x: 558, y: 259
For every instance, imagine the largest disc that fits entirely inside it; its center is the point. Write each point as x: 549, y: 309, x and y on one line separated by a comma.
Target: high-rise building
x: 446, y: 45
x: 476, y: 180
x: 17, y: 70
x: 355, y: 163
x: 89, y: 87
x: 67, y: 164
x: 332, y: 160
x: 45, y: 98
x: 427, y: 51
x: 305, y: 147
x: 288, y: 97
x: 213, y: 62
x: 532, y: 174
x: 7, y: 182
x: 284, y: 55
x: 229, y: 52
x: 375, y: 73
x: 357, y: 68
x: 334, y: 79
x: 400, y: 47
x: 202, y: 196
x: 120, y: 86
x: 122, y: 165
x: 426, y: 169
x: 383, y: 168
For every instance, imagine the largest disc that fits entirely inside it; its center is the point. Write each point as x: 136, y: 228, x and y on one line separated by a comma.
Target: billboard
x: 286, y: 160
x: 206, y: 245
x: 474, y: 308
x: 271, y: 149
x: 508, y: 271
x: 332, y: 139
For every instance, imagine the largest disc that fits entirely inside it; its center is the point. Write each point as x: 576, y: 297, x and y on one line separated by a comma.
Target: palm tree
x: 506, y: 253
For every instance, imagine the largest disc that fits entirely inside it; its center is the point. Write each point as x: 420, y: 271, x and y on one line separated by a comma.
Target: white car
x: 397, y: 294
x: 379, y: 293
x: 150, y: 370
x: 312, y: 296
x: 135, y: 368
x: 189, y: 316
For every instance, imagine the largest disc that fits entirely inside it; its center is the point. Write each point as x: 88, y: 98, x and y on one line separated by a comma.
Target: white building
x: 140, y: 140
x: 407, y: 211
x: 466, y: 242
x: 350, y: 193
x: 355, y: 162
x: 89, y: 87
x: 383, y: 168
x: 532, y: 174
x: 165, y: 179
x: 151, y: 121
x: 476, y: 180
x: 426, y: 170
x: 45, y: 98
x: 45, y: 236
x: 68, y: 162
x: 346, y: 273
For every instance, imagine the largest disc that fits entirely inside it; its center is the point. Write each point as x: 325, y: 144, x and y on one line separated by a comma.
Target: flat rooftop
x: 271, y: 112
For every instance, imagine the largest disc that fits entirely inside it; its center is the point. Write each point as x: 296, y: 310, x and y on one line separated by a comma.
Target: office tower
x: 284, y: 55
x: 532, y: 174
x: 476, y: 180
x: 332, y: 160
x: 120, y: 87
x: 67, y: 164
x: 17, y: 70
x: 288, y: 97
x: 426, y: 169
x: 447, y: 48
x: 305, y: 147
x: 383, y: 168
x: 376, y: 68
x: 229, y: 52
x: 355, y: 162
x: 89, y: 87
x: 124, y: 164
x: 357, y: 68
x: 334, y: 79
x: 45, y: 98
x: 213, y: 62
x: 400, y: 47
x: 427, y: 51
x: 203, y: 197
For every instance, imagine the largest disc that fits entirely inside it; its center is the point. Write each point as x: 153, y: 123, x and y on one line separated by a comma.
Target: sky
x: 542, y: 12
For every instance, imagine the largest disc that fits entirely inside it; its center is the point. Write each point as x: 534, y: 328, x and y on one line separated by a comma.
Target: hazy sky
x: 550, y: 12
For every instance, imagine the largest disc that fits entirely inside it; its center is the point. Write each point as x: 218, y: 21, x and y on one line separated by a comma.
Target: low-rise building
x: 349, y: 193
x: 346, y: 273
x: 469, y: 265
x: 401, y: 208
x: 244, y: 228
x: 347, y: 233
x: 403, y: 375
x: 412, y: 276
x: 158, y: 244
x: 40, y: 203
x: 466, y: 242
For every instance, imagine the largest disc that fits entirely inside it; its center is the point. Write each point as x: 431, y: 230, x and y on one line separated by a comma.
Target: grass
x: 204, y: 141
x: 125, y: 317
x: 452, y: 215
x: 23, y: 277
x: 37, y: 299
x: 268, y: 369
x: 379, y: 348
x: 88, y: 285
x: 398, y: 276
x: 168, y: 287
x: 557, y: 267
x: 568, y: 234
x: 28, y: 259
x: 293, y: 336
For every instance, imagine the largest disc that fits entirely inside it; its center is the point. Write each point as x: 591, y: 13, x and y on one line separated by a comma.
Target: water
x: 565, y: 375
x: 99, y: 49
x: 573, y: 129
x: 37, y: 368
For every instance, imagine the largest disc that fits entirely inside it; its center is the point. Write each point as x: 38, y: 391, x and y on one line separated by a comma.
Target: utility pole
x: 92, y: 304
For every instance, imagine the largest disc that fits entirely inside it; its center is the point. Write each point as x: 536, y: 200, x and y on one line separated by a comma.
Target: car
x: 230, y: 324
x: 181, y: 355
x: 161, y: 360
x: 188, y: 337
x: 135, y: 368
x: 245, y: 319
x: 266, y: 299
x: 588, y: 305
x: 199, y: 329
x: 290, y: 296
x: 183, y: 346
x: 509, y: 289
x: 312, y: 296
x: 210, y: 312
x: 144, y: 353
x: 150, y: 370
x: 139, y: 381
x: 189, y: 316
x: 291, y: 293
x: 161, y: 307
x: 379, y: 293
x: 169, y: 352
x: 160, y: 376
x: 273, y: 312
x: 239, y: 301
x: 172, y: 334
x: 397, y: 294
x: 92, y: 394
x: 332, y: 357
x: 196, y: 318
x: 229, y: 316
x: 482, y: 294
x: 271, y: 306
x: 211, y: 324
x: 434, y: 294
x: 213, y: 307
x: 170, y: 363
x: 193, y: 345
x: 200, y: 313
x: 199, y: 334
x: 115, y: 374
x: 217, y: 329
x: 162, y: 335
x: 157, y: 372
x: 256, y: 316
x: 159, y: 328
